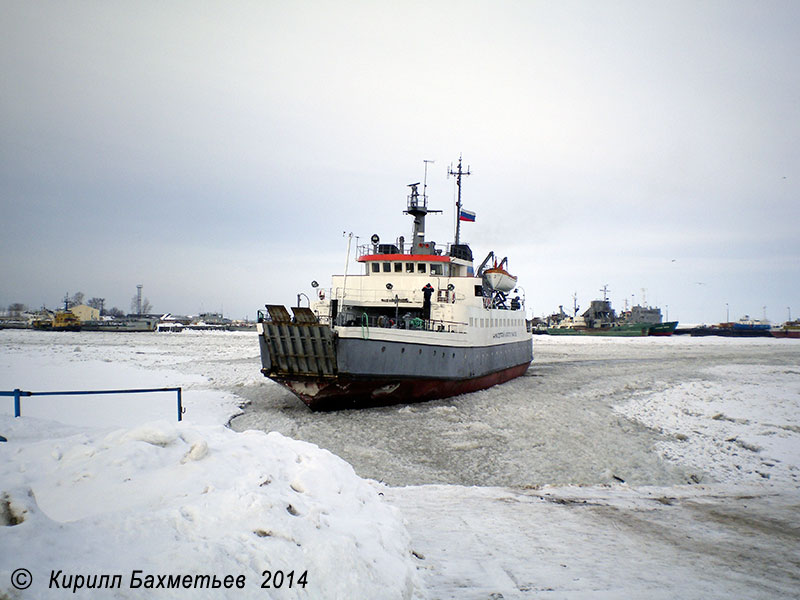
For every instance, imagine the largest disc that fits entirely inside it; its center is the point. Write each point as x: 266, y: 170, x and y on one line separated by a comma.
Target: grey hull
x: 329, y: 372
x: 401, y: 359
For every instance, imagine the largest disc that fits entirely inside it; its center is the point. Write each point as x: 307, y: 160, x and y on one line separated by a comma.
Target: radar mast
x: 418, y: 209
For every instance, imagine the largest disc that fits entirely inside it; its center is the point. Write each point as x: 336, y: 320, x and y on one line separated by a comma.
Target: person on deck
x: 426, y: 303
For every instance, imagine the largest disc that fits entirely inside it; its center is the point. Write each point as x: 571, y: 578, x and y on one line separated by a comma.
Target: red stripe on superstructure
x: 404, y: 257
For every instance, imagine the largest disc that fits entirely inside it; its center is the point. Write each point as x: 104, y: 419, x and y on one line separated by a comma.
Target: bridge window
x: 409, y: 267
x: 398, y: 267
x: 387, y: 267
x: 436, y: 269
x: 376, y: 268
x: 420, y: 267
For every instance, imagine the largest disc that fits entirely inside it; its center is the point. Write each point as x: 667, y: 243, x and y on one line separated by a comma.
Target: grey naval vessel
x: 419, y: 323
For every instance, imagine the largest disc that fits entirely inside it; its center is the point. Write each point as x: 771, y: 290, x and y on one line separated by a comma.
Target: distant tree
x: 76, y: 300
x: 97, y: 303
x: 146, y: 306
x: 115, y: 312
x: 17, y: 308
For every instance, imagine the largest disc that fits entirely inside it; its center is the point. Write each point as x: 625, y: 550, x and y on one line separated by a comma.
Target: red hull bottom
x: 350, y: 392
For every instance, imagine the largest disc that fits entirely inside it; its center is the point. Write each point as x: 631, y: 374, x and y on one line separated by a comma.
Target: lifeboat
x: 500, y: 280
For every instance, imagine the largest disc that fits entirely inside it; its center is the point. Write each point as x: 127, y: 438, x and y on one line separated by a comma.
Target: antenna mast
x: 458, y: 175
x: 425, y: 181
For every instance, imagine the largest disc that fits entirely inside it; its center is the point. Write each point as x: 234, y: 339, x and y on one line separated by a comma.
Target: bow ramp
x: 299, y: 345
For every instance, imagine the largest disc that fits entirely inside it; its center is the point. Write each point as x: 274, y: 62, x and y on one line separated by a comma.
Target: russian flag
x: 466, y: 215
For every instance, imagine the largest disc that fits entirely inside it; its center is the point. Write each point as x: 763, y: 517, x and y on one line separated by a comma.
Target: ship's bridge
x: 453, y: 260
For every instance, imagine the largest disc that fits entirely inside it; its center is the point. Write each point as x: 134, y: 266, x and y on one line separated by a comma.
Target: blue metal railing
x: 18, y: 394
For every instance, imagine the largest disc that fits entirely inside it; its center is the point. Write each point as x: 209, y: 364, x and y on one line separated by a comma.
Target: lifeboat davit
x: 500, y: 280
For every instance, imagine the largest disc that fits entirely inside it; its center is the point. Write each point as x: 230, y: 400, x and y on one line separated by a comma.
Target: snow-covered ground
x: 615, y: 469
x: 115, y: 485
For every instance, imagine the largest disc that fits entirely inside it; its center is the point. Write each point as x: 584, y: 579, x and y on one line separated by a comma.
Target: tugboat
x: 61, y: 320
x: 419, y: 324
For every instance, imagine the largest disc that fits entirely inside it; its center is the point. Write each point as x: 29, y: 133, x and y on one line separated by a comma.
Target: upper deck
x: 451, y: 260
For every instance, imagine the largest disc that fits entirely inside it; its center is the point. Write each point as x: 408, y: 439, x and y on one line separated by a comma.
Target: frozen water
x: 578, y: 416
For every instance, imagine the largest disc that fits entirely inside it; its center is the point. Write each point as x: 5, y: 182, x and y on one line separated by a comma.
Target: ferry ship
x: 419, y: 323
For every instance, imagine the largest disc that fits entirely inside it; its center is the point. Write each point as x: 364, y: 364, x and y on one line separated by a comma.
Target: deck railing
x: 358, y: 318
x: 361, y: 319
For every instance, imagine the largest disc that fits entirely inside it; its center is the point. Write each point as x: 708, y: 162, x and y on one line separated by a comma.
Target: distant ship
x: 419, y: 324
x: 601, y: 319
x: 648, y: 315
x: 790, y: 329
x: 744, y: 327
x: 129, y: 324
x: 61, y: 320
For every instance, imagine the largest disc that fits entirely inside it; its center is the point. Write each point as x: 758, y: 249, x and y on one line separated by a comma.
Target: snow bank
x: 80, y: 496
x: 170, y: 499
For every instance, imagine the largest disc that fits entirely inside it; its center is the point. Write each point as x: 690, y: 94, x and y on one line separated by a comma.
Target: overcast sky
x: 215, y: 152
